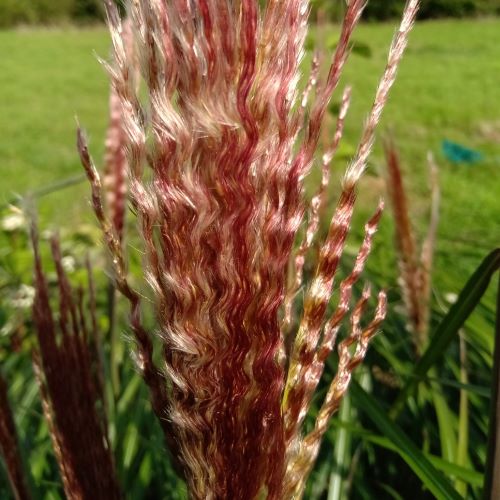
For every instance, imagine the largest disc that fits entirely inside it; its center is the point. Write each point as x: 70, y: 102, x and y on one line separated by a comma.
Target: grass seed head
x: 228, y: 141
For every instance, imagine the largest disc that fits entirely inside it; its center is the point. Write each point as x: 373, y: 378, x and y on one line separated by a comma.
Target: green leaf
x: 457, y: 315
x: 391, y: 492
x: 430, y: 476
x: 464, y: 474
x: 146, y: 470
x: 445, y: 418
x: 130, y: 445
x: 130, y: 393
x: 492, y: 478
x: 341, y: 453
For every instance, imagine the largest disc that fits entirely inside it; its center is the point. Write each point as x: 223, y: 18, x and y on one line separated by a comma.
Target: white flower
x: 68, y: 264
x: 13, y: 222
x: 23, y: 298
x: 451, y: 298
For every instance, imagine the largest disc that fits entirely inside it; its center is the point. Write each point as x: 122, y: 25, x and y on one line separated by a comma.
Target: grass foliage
x: 47, y: 12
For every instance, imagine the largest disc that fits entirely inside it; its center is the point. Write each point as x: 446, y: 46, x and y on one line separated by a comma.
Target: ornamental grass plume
x: 69, y: 376
x: 415, y: 266
x: 9, y: 447
x: 228, y: 141
x: 115, y: 188
x: 115, y: 170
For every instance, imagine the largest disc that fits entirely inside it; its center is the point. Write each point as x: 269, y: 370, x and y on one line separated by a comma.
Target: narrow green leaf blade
x: 469, y: 476
x: 457, y: 315
x: 492, y: 478
x: 430, y: 476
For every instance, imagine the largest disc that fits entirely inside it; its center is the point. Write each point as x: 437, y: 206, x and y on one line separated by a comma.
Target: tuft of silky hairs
x: 218, y: 149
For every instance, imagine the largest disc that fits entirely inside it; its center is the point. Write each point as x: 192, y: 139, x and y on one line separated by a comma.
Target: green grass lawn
x: 448, y: 87
x: 47, y: 78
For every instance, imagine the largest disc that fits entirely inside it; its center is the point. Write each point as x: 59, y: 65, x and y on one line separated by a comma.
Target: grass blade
x: 492, y: 478
x: 445, y: 416
x: 342, y: 452
x: 463, y: 418
x: 430, y: 476
x: 457, y: 315
x: 464, y: 474
x: 9, y: 447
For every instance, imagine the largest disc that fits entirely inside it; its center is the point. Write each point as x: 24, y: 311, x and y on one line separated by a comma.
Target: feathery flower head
x: 228, y: 141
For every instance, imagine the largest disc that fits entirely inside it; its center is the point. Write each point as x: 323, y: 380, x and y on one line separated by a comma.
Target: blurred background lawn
x: 448, y: 88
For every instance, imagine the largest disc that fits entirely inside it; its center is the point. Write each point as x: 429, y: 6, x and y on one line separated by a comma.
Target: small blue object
x: 457, y: 153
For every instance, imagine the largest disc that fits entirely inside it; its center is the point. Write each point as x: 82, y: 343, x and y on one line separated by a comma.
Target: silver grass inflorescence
x: 229, y: 140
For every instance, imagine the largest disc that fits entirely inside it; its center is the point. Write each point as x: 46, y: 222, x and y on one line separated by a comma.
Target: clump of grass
x: 70, y: 378
x: 229, y: 142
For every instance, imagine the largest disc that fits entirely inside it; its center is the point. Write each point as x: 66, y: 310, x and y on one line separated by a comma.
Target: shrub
x: 17, y: 12
x: 50, y: 10
x: 13, y: 12
x: 377, y: 10
x: 458, y: 8
x: 87, y: 10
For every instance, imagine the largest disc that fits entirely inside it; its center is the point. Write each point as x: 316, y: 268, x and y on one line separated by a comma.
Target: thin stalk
x: 492, y: 478
x: 463, y: 419
x: 9, y: 447
x: 447, y: 435
x: 114, y: 340
x: 46, y: 190
x: 340, y: 483
x: 341, y: 452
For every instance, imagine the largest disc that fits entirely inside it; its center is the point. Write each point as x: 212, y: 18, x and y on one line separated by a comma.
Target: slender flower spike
x: 115, y: 160
x: 228, y: 141
x: 9, y: 447
x: 415, y: 267
x: 67, y: 371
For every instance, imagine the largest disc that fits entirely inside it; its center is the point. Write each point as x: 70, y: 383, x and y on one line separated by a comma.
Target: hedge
x: 15, y: 12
